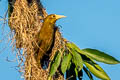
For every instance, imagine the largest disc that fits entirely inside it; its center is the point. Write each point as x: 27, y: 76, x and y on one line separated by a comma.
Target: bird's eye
x: 53, y: 16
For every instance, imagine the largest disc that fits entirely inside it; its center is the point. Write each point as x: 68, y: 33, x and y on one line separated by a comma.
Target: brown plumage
x: 46, y: 35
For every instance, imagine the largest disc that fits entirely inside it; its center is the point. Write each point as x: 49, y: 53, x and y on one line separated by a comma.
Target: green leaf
x: 94, y: 68
x: 88, y: 60
x: 76, y: 72
x: 49, y: 78
x: 100, y: 56
x: 77, y: 60
x: 55, y: 63
x: 73, y: 46
x: 97, y: 71
x: 65, y: 62
x: 69, y: 65
x: 88, y: 73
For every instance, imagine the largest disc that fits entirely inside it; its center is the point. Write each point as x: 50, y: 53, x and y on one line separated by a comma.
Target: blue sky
x: 89, y: 24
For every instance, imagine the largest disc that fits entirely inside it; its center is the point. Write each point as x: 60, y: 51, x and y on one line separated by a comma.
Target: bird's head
x: 52, y: 18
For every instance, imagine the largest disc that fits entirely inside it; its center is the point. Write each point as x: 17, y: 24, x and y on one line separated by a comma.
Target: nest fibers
x: 25, y: 22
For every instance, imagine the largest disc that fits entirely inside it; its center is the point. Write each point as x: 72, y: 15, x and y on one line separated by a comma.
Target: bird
x: 46, y: 35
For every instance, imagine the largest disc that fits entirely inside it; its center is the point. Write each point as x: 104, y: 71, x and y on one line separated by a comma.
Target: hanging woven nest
x: 26, y: 21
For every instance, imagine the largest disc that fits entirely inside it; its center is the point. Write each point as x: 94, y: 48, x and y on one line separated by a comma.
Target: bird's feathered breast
x: 46, y: 36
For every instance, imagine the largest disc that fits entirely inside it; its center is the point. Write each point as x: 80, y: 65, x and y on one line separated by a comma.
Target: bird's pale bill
x: 59, y: 16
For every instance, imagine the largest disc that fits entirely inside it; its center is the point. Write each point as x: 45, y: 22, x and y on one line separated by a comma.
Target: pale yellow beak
x: 59, y: 16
